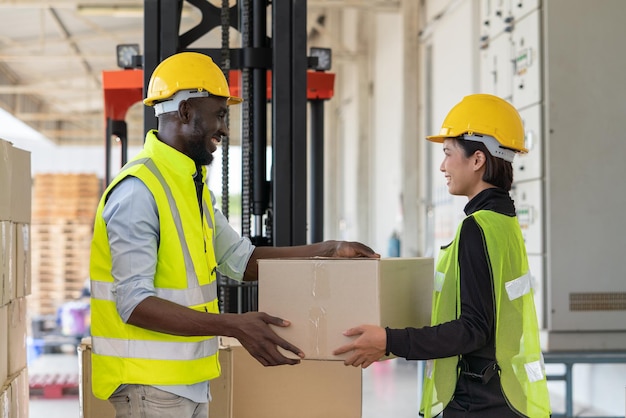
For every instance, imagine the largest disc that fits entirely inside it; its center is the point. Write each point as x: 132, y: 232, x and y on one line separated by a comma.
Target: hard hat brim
x: 437, y: 138
x: 234, y: 100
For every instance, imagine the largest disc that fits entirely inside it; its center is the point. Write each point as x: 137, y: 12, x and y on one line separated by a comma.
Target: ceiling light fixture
x: 128, y: 56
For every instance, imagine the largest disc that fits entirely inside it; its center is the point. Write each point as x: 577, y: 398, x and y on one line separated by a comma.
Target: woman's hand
x: 367, y: 348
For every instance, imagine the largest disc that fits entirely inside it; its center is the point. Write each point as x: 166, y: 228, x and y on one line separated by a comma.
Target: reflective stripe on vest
x: 189, y: 268
x: 185, y: 297
x: 155, y: 350
x: 519, y: 287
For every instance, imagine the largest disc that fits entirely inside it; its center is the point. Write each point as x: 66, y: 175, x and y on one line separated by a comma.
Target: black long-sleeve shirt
x: 472, y: 334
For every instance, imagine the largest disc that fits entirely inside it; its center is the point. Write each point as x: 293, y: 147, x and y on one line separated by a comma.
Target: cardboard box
x: 20, y: 395
x: 323, y: 297
x: 7, y: 261
x: 5, y: 180
x: 312, y: 389
x: 23, y: 278
x: 4, y: 345
x: 21, y: 186
x: 89, y: 405
x: 5, y: 401
x: 17, y: 335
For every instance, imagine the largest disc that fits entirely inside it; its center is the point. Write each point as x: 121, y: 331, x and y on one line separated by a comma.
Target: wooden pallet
x: 64, y: 207
x: 53, y: 385
x: 65, y: 196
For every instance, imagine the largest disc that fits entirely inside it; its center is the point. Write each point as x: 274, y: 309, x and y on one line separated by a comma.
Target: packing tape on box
x: 318, y: 325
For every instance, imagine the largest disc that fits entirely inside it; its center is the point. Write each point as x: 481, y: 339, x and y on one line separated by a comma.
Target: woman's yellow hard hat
x: 484, y: 114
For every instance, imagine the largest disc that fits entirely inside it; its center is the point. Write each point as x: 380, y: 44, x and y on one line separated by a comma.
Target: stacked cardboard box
x: 310, y: 389
x: 89, y: 405
x: 15, y: 277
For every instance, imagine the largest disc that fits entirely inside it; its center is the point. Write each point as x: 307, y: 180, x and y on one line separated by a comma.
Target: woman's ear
x: 479, y: 160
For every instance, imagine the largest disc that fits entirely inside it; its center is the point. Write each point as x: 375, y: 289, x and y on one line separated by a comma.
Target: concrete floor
x: 390, y: 389
x: 54, y: 408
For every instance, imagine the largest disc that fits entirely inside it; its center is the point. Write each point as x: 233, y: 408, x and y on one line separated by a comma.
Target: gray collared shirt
x: 132, y: 223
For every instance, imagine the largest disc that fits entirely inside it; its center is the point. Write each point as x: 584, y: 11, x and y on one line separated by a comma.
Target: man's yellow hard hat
x: 187, y: 71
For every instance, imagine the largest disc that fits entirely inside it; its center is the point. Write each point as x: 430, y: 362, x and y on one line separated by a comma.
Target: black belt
x: 484, y: 376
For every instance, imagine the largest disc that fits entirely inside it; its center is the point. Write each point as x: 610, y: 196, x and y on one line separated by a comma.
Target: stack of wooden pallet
x: 64, y: 207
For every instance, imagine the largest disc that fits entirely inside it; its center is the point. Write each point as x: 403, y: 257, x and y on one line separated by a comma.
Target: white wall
x: 364, y: 138
x: 452, y: 70
x: 348, y: 128
x: 386, y: 159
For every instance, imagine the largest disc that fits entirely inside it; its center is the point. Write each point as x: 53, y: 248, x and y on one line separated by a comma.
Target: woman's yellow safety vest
x: 185, y: 274
x: 518, y: 351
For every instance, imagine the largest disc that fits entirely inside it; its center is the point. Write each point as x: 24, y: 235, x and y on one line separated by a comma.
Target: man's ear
x: 184, y: 111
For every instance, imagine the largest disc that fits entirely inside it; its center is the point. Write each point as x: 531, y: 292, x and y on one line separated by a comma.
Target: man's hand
x: 367, y: 348
x: 348, y: 249
x: 255, y: 335
x: 344, y: 249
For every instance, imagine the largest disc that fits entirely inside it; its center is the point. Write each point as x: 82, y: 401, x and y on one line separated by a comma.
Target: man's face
x: 207, y: 127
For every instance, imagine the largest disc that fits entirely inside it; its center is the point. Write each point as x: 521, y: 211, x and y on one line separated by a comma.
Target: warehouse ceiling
x: 52, y: 54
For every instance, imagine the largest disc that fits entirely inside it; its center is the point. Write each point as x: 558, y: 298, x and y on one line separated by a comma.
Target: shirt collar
x: 494, y: 199
x: 171, y: 157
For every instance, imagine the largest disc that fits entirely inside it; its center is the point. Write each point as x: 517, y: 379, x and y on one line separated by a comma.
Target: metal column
x: 161, y: 28
x: 317, y: 170
x: 289, y: 80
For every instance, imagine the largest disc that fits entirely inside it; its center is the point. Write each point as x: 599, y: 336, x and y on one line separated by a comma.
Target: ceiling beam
x: 380, y: 5
x: 73, y: 45
x: 131, y: 4
x: 65, y: 4
x: 35, y: 88
x: 56, y: 116
x: 48, y: 58
x: 35, y: 43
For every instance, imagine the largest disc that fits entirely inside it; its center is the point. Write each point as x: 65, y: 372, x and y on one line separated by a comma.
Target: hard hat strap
x: 492, y: 145
x: 171, y: 104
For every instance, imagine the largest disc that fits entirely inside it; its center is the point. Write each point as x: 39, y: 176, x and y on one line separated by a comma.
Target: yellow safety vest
x: 518, y: 351
x: 185, y: 274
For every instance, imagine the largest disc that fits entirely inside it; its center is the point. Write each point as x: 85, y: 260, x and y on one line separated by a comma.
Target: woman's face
x: 463, y: 174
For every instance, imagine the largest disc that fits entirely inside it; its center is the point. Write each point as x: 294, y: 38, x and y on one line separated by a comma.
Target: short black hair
x: 498, y: 172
